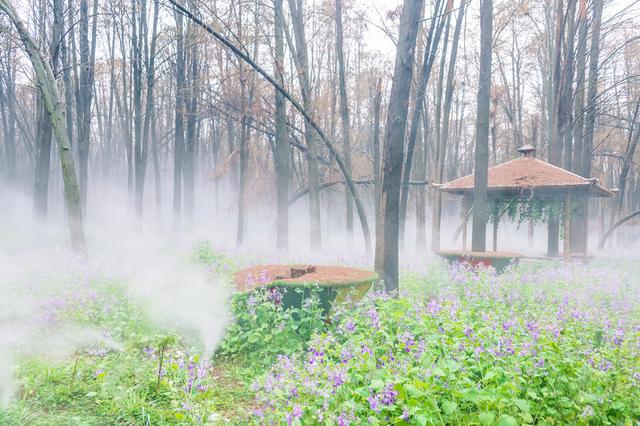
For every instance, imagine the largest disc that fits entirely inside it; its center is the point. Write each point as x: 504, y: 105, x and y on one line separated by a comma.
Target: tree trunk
x: 282, y: 153
x: 302, y: 65
x: 387, y: 229
x: 138, y: 37
x: 85, y: 94
x: 443, y: 137
x: 432, y: 42
x: 377, y: 101
x: 344, y: 115
x: 590, y: 113
x: 479, y: 225
x: 178, y: 153
x: 191, y: 134
x: 43, y: 162
x: 579, y: 219
x: 9, y: 116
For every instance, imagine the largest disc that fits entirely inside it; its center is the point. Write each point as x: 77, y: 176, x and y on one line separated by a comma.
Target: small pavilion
x: 525, y: 177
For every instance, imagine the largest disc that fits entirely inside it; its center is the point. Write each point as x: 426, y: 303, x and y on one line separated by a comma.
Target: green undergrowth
x: 540, y: 344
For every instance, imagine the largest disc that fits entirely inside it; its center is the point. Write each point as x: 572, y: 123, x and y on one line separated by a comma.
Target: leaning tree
x: 55, y: 109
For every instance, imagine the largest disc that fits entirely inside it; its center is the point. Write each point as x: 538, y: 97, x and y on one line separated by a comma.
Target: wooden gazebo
x: 525, y: 177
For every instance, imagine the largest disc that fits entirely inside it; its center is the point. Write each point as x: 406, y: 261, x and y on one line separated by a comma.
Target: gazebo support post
x: 566, y: 249
x: 496, y: 219
x: 465, y: 217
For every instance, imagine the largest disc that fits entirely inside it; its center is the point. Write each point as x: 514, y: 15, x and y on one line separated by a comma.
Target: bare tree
x: 387, y: 229
x: 53, y: 104
x: 282, y: 154
x: 344, y: 112
x: 479, y: 226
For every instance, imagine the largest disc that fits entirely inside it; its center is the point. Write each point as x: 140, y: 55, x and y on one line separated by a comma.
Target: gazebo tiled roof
x: 528, y: 174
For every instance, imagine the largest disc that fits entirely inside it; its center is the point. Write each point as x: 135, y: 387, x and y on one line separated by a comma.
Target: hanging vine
x: 519, y: 209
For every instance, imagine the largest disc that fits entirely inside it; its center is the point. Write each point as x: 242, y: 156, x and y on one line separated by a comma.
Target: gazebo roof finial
x: 527, y: 150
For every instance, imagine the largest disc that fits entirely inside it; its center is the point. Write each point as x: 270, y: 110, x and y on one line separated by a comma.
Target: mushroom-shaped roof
x: 529, y: 174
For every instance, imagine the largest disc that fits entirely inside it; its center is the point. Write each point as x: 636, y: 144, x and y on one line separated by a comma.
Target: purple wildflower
x: 389, y: 395
x: 296, y: 413
x: 337, y: 377
x: 274, y: 295
x: 405, y: 415
x: 433, y: 307
x: 366, y: 350
x: 374, y: 402
x: 343, y: 420
x: 375, y: 320
x: 350, y: 326
x: 534, y: 329
x: 408, y: 340
x: 618, y: 336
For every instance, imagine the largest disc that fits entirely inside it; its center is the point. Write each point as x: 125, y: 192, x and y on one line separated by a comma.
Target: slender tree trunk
x: 557, y: 125
x: 590, y: 113
x: 138, y: 37
x: 387, y: 230
x: 143, y: 148
x: 421, y: 175
x: 344, y: 114
x: 479, y: 225
x: 9, y: 116
x: 443, y: 135
x: 85, y: 95
x: 178, y: 153
x: 282, y: 153
x: 432, y: 42
x: 302, y: 65
x: 579, y: 218
x: 191, y: 139
x: 377, y: 102
x: 43, y: 162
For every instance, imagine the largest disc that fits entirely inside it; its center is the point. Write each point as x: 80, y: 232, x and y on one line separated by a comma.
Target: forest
x: 319, y: 212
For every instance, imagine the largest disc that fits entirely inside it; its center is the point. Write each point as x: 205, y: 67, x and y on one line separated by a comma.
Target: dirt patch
x: 262, y: 275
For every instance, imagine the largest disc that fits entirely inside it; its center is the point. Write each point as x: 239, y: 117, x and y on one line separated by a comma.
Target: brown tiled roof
x: 529, y: 173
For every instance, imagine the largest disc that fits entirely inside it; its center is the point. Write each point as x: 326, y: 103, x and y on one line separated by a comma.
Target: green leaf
x: 523, y: 405
x: 422, y: 419
x: 526, y: 417
x: 618, y: 405
x: 486, y: 419
x: 452, y: 366
x: 449, y: 407
x: 438, y: 372
x: 412, y: 390
x: 507, y: 420
x: 377, y: 384
x: 490, y: 375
